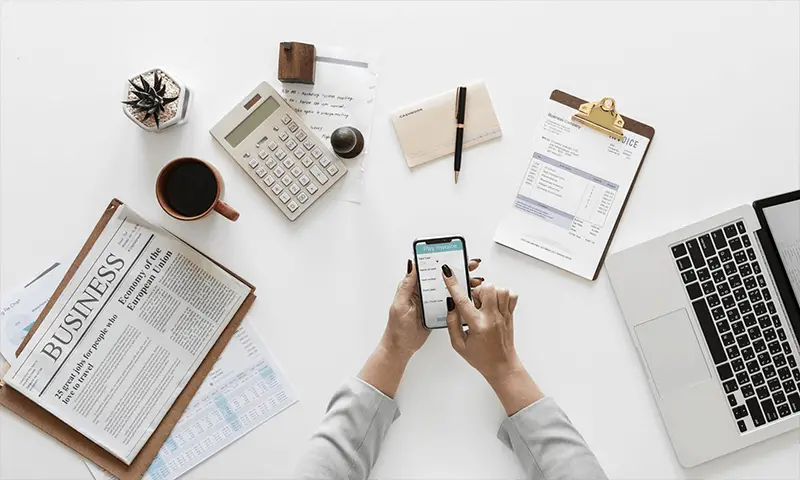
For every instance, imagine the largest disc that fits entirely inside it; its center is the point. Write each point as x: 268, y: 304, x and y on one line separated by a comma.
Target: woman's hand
x: 403, y: 336
x: 488, y: 345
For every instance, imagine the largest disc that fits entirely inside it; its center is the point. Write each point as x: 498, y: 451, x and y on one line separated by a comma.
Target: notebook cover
x: 50, y: 424
x: 631, y: 125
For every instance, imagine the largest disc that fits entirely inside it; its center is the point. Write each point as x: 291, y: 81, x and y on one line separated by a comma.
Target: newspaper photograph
x: 126, y: 334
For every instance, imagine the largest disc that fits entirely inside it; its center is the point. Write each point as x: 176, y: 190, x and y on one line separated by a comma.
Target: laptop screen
x: 783, y: 220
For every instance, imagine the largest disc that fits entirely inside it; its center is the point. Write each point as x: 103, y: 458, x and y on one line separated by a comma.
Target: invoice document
x: 572, y: 193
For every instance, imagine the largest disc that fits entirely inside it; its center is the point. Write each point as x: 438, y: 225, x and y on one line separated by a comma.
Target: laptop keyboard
x: 755, y: 361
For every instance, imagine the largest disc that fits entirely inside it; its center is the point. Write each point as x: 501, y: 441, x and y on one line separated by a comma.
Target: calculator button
x: 291, y: 144
x: 283, y: 136
x: 253, y: 163
x: 299, y: 153
x: 279, y: 172
x: 288, y: 163
x: 286, y: 180
x: 316, y: 152
x: 292, y: 206
x: 321, y: 178
x: 302, y: 197
x: 280, y: 154
x: 261, y: 171
x: 304, y: 180
x: 297, y: 171
x: 333, y: 170
x: 324, y: 161
x: 276, y: 189
x: 262, y: 154
x: 309, y: 144
x: 271, y: 163
x: 312, y: 188
x: 272, y: 145
x: 262, y: 141
x: 301, y: 135
x: 284, y: 197
x: 246, y: 155
x: 275, y: 128
x: 269, y: 180
x: 286, y: 119
x: 294, y: 189
x: 307, y: 162
x: 292, y: 127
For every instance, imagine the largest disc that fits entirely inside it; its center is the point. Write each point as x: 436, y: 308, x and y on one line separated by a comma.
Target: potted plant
x: 155, y: 100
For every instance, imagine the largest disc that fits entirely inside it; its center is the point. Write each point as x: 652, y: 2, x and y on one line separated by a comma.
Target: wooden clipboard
x: 631, y: 125
x: 50, y: 424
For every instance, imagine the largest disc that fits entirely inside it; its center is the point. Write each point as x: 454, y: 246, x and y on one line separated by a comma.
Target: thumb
x: 464, y: 305
x: 457, y: 336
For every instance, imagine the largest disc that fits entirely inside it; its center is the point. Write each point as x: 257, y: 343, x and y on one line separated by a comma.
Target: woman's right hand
x: 488, y: 345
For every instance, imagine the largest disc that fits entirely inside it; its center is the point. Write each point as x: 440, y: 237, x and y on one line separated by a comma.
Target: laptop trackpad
x: 672, y: 352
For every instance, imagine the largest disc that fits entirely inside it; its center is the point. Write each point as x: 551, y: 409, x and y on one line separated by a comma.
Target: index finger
x: 464, y: 305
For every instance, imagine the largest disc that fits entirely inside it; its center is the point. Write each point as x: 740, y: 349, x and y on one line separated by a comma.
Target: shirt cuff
x: 375, y: 396
x: 539, y: 408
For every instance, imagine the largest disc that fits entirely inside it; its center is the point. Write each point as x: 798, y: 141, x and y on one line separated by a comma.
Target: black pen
x: 461, y: 107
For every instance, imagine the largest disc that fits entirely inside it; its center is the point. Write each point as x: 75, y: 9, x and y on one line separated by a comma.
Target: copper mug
x: 189, y: 188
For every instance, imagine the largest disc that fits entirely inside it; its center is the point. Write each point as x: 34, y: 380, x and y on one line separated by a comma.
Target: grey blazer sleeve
x: 348, y: 441
x: 547, y: 445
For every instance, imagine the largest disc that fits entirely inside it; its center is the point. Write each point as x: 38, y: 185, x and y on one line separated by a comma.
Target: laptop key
x: 739, y: 294
x: 688, y: 276
x: 709, y: 331
x: 724, y: 371
x: 735, y: 244
x: 774, y: 347
x: 779, y: 397
x: 679, y: 250
x: 753, y: 367
x: 760, y: 308
x: 706, y: 245
x: 789, y: 386
x: 750, y: 283
x: 739, y: 412
x: 784, y: 373
x: 695, y: 253
x: 737, y: 365
x: 742, y: 426
x: 684, y: 263
x: 723, y: 289
x: 714, y: 263
x: 739, y: 257
x: 735, y: 280
x: 771, y: 308
x: 757, y: 379
x: 747, y: 391
x: 794, y: 402
x: 730, y: 268
x: 725, y: 255
x: 776, y: 321
x: 761, y: 282
x: 732, y: 400
x: 769, y: 335
x: 708, y: 287
x: 740, y: 226
x: 756, y: 267
x: 781, y: 335
x: 744, y: 306
x: 723, y: 326
x: 779, y: 360
x: 703, y: 274
x: 751, y: 255
x: 718, y: 276
x: 745, y: 270
x: 727, y: 339
x: 769, y: 371
x: 719, y: 313
x: 769, y: 410
x: 755, y: 295
x: 784, y: 411
x: 755, y: 411
x: 764, y: 322
x: 750, y: 320
x: 737, y: 327
x: 730, y: 386
x: 713, y: 300
x: 763, y: 358
x: 796, y: 374
x: 719, y: 238
x: 742, y: 378
x: 732, y: 351
x: 747, y: 352
x: 774, y: 384
x: 758, y: 345
x: 763, y: 392
x: 746, y: 240
x: 730, y: 231
x: 694, y: 291
x: 728, y: 302
x: 787, y: 349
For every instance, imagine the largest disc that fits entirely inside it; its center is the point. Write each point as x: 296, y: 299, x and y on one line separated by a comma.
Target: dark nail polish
x: 408, y: 268
x: 447, y: 272
x: 478, y: 260
x: 451, y: 304
x: 479, y: 278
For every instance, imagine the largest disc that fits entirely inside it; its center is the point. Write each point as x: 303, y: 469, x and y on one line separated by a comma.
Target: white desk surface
x: 719, y: 81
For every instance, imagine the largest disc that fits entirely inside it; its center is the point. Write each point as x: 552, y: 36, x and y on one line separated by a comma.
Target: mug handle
x: 226, y: 211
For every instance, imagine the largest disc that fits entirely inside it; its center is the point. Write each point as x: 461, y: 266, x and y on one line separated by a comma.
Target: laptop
x: 712, y: 310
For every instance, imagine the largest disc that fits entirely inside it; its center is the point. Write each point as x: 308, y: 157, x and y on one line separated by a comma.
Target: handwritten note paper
x: 343, y: 94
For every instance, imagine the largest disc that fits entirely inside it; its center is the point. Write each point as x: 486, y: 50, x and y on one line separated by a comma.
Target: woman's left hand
x: 405, y: 333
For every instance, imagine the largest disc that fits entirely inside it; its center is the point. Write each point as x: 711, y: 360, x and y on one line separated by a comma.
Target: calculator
x: 278, y: 151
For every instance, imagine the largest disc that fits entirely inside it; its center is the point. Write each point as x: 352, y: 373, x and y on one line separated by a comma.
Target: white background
x: 719, y: 81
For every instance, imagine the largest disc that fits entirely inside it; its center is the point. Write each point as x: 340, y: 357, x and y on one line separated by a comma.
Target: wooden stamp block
x: 296, y: 62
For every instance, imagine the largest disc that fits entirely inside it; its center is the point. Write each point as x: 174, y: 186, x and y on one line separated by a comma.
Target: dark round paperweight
x: 347, y: 142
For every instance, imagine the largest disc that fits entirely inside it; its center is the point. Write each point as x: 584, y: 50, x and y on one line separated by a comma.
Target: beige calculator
x: 278, y: 151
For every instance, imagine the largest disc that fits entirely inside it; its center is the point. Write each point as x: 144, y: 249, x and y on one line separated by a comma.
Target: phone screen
x: 430, y: 255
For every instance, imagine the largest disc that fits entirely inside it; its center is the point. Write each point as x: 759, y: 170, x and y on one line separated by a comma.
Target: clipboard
x: 53, y: 426
x: 609, y: 124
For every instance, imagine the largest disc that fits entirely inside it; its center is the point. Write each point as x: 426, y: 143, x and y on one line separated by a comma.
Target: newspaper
x: 126, y: 334
x: 245, y: 389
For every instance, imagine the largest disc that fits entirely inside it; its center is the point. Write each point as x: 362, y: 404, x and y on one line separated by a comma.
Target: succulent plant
x: 149, y: 98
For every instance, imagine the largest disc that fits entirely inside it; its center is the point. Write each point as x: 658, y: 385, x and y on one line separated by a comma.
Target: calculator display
x: 261, y: 113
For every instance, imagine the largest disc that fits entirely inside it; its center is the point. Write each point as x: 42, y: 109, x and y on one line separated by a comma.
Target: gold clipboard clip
x: 602, y: 116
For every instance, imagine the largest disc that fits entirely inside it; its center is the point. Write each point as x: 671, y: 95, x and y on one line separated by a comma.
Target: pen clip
x: 455, y: 107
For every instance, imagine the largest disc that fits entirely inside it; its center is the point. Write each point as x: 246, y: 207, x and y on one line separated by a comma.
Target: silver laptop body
x: 696, y: 338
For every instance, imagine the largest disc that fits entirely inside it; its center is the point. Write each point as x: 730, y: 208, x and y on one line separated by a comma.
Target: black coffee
x: 190, y: 188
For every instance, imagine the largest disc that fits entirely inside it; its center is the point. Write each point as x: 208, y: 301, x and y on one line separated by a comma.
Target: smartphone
x: 429, y: 256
